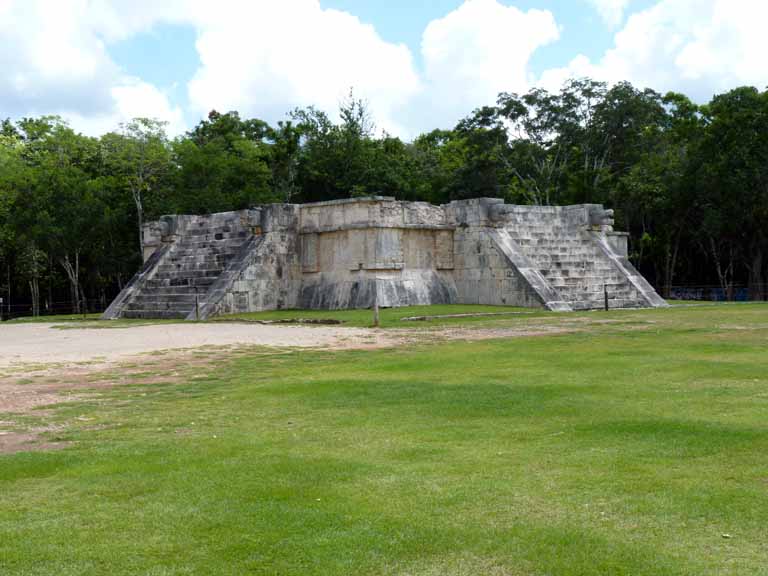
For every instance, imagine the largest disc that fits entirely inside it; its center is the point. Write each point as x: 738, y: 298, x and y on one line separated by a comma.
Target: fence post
x: 376, y: 322
x: 605, y: 294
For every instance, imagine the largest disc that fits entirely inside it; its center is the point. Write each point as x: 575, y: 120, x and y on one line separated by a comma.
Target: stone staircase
x: 325, y: 255
x: 575, y: 266
x: 193, y: 264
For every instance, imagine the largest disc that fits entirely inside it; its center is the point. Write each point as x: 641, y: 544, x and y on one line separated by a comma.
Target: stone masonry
x: 349, y: 253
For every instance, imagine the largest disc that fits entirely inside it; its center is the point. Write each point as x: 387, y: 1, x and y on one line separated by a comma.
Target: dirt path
x: 41, y: 365
x: 22, y: 344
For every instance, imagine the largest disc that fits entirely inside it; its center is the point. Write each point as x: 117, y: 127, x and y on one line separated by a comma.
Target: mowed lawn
x: 634, y: 447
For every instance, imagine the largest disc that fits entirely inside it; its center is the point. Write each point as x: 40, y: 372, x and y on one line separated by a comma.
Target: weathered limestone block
x: 619, y: 242
x: 310, y: 256
x: 350, y: 253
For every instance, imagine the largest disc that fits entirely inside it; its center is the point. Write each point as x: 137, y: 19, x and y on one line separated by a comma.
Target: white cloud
x: 277, y: 55
x: 265, y: 57
x: 478, y: 50
x: 611, y: 11
x: 54, y: 61
x: 698, y: 47
x: 131, y: 98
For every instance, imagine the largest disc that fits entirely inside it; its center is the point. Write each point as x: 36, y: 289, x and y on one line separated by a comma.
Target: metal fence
x: 715, y: 293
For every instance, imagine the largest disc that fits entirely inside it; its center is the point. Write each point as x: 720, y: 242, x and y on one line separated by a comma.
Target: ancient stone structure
x: 346, y: 253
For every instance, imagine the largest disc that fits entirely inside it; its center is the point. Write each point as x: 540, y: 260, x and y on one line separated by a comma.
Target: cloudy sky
x: 420, y: 64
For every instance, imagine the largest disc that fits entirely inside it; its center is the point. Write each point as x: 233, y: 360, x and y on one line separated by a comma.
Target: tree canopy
x: 689, y: 182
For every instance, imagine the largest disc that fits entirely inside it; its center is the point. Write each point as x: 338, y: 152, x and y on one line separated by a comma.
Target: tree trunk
x: 141, y: 234
x: 724, y: 271
x: 671, y: 263
x: 8, y: 275
x: 136, y: 191
x: 755, y: 266
x: 34, y: 292
x: 73, y: 275
x: 84, y: 301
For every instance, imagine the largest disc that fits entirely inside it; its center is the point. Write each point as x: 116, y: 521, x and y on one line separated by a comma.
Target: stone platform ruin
x: 348, y: 253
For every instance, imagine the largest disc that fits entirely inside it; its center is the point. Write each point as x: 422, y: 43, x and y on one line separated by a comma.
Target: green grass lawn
x: 634, y: 447
x: 78, y: 321
x: 388, y: 317
x: 56, y: 318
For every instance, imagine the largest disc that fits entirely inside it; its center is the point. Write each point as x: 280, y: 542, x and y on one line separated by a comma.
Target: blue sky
x: 166, y: 55
x: 420, y: 64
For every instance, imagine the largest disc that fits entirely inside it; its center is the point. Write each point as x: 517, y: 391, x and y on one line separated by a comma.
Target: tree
x: 223, y: 165
x: 60, y: 218
x: 284, y: 159
x: 12, y: 175
x: 139, y: 155
x: 655, y: 198
x: 336, y: 160
x: 733, y: 178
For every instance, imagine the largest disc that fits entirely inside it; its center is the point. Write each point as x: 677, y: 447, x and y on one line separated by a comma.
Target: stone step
x: 597, y: 302
x: 160, y: 305
x: 597, y: 297
x: 179, y: 283
x: 231, y: 221
x: 582, y: 293
x: 609, y: 275
x: 218, y: 250
x: 593, y: 295
x: 554, y: 237
x: 199, y: 261
x: 593, y: 287
x: 162, y: 314
x: 199, y: 242
x: 569, y: 259
x: 565, y: 255
x: 579, y: 280
x: 201, y: 230
x: 571, y: 283
x: 568, y: 279
x: 557, y: 247
x: 214, y: 237
x: 560, y: 284
x: 587, y: 272
x: 162, y: 291
x: 167, y: 271
x: 174, y: 290
x: 612, y: 305
x: 171, y: 298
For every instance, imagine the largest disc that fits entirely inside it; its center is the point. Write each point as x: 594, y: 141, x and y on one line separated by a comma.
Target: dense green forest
x: 689, y: 182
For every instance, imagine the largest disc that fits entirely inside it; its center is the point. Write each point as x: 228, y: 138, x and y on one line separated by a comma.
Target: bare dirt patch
x: 41, y: 367
x: 44, y: 386
x: 441, y: 334
x: 22, y: 344
x: 12, y: 441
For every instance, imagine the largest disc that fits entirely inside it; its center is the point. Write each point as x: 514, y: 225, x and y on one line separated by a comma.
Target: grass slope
x: 638, y: 448
x: 55, y: 318
x: 388, y: 317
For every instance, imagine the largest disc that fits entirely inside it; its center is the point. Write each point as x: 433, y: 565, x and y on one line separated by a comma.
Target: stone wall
x: 353, y: 252
x: 267, y: 274
x: 350, y: 253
